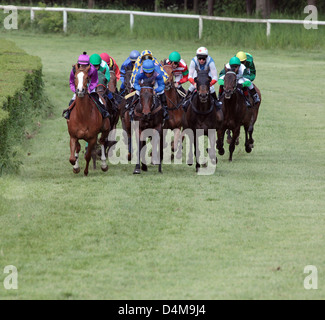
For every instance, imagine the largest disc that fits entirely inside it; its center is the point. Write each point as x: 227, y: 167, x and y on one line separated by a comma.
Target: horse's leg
x: 250, y: 132
x: 137, y: 166
x: 143, y: 146
x: 247, y: 144
x: 229, y: 138
x: 74, y: 154
x: 235, y: 134
x: 161, y: 150
x: 212, y: 151
x: 196, y: 151
x: 91, y: 144
x: 221, y: 137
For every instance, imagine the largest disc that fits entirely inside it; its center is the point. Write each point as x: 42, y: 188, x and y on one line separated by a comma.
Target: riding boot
x: 101, y: 107
x: 163, y: 101
x: 255, y: 96
x: 220, y: 92
x: 246, y: 95
x: 131, y: 105
x: 187, y: 99
x: 217, y: 102
x: 66, y: 112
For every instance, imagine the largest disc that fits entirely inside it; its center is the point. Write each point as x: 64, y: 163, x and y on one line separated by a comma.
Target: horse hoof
x: 248, y: 149
x: 221, y: 151
x: 104, y: 169
x: 76, y: 170
x: 136, y: 171
x: 86, y: 173
x: 144, y: 167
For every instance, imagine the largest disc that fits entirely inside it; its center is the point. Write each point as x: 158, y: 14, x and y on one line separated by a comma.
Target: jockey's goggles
x: 175, y: 63
x: 201, y: 57
x: 146, y: 57
x: 82, y: 65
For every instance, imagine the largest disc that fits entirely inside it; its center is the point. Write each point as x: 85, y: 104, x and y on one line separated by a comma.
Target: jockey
x: 128, y: 64
x: 148, y: 71
x: 112, y: 64
x: 247, y: 60
x: 180, y: 70
x: 242, y: 79
x: 202, y: 61
x: 83, y: 63
x: 101, y: 65
x: 145, y: 55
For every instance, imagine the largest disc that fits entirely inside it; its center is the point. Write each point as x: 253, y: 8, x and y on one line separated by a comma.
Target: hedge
x: 21, y: 100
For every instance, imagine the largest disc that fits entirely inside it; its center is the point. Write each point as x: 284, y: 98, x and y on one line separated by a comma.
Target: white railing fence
x: 65, y: 11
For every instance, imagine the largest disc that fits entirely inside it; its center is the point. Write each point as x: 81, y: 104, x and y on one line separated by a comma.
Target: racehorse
x: 85, y: 123
x: 236, y: 114
x: 148, y: 114
x: 103, y: 89
x: 202, y: 114
x: 174, y: 107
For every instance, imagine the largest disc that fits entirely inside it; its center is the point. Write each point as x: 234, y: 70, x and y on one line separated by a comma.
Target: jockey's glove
x: 221, y: 82
x: 213, y: 82
x: 247, y: 83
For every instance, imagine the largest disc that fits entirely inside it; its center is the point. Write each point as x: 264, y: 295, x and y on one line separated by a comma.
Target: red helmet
x: 105, y: 57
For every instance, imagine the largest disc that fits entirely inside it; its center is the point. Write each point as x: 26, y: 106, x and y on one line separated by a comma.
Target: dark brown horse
x: 148, y: 114
x: 85, y: 122
x: 174, y: 107
x: 236, y: 114
x: 202, y: 114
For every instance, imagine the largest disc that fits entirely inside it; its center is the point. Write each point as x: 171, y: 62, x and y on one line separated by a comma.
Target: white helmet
x: 202, y: 51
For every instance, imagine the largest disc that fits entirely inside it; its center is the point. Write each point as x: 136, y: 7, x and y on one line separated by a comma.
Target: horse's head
x: 230, y: 83
x: 102, y: 83
x: 203, y: 85
x: 170, y: 81
x: 127, y: 80
x: 146, y: 99
x: 112, y: 81
x: 81, y: 80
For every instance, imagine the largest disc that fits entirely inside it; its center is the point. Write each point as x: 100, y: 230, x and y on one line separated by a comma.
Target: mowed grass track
x: 246, y: 232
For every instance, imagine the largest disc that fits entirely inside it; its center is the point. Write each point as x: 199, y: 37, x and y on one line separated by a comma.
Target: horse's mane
x: 203, y: 75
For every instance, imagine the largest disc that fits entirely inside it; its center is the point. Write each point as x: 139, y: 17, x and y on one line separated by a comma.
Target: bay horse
x: 202, y: 114
x: 103, y: 89
x: 174, y: 107
x: 85, y: 122
x: 148, y: 114
x: 236, y: 114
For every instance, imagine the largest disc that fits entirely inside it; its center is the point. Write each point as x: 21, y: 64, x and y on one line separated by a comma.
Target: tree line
x: 262, y: 8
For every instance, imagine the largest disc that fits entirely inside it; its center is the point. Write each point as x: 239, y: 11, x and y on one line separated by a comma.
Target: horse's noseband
x: 204, y: 96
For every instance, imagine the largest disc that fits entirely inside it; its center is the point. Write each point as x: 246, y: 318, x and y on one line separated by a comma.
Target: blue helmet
x: 134, y: 55
x: 148, y: 66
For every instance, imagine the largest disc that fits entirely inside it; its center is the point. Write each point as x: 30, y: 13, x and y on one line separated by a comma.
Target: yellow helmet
x: 242, y: 56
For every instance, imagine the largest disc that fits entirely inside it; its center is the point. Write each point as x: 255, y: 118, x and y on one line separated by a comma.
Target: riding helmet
x: 202, y: 51
x: 83, y: 59
x: 148, y: 66
x: 234, y: 61
x: 95, y: 59
x: 174, y: 57
x: 146, y: 54
x: 241, y: 55
x: 134, y: 55
x: 105, y: 57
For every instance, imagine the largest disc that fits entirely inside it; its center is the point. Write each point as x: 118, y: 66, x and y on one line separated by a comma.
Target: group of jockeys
x: 145, y: 65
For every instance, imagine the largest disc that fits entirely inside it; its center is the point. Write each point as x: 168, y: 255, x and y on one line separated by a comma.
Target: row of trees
x: 210, y: 7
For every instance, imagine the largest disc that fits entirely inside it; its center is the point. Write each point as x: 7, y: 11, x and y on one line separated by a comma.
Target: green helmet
x: 234, y: 61
x: 95, y: 59
x: 175, y: 57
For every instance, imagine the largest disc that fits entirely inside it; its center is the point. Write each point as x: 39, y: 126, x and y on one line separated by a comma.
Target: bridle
x: 147, y: 116
x: 229, y: 92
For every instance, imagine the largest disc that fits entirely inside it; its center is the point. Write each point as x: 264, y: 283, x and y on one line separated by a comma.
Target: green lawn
x: 246, y: 232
